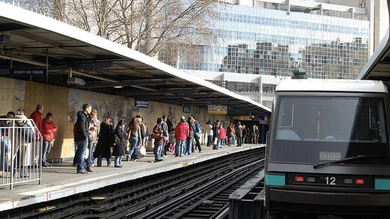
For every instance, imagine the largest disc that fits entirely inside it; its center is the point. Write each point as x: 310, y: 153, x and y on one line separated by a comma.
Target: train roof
x: 331, y: 85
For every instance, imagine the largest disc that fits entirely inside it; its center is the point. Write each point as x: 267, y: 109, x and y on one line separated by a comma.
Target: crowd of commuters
x: 95, y: 140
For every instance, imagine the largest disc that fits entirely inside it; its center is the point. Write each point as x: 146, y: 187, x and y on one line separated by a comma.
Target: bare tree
x: 148, y: 26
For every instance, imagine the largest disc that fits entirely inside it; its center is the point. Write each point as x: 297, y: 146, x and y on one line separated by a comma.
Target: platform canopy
x: 33, y: 41
x: 378, y: 66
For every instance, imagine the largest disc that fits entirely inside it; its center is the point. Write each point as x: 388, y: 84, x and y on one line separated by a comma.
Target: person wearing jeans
x: 82, y: 137
x: 181, y: 133
x: 48, y: 130
x: 158, y: 137
x: 81, y: 148
x: 134, y: 134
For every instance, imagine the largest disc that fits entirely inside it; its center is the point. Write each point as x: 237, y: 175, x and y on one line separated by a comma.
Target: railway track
x: 201, y: 189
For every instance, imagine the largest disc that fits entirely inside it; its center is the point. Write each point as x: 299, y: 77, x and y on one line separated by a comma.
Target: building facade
x: 263, y: 41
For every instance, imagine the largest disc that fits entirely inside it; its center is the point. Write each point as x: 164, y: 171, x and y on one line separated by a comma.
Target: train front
x: 328, y: 153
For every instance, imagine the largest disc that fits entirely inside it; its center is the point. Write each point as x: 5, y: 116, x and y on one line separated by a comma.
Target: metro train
x: 328, y: 149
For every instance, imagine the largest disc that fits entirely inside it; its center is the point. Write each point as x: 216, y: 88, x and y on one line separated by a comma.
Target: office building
x: 261, y: 42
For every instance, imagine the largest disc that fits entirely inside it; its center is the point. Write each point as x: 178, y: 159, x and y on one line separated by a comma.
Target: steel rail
x: 160, y: 211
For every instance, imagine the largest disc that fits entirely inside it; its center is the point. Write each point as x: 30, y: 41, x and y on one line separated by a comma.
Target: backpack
x: 197, y: 127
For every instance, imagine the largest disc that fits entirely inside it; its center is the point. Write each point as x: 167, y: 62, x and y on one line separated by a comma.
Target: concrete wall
x: 64, y: 103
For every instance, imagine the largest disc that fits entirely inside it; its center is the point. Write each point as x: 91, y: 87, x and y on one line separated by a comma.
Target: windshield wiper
x: 358, y: 157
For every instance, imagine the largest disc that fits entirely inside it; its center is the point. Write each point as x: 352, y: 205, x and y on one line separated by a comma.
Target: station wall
x: 64, y: 103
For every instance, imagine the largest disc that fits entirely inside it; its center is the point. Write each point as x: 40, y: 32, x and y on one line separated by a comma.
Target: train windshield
x: 318, y: 129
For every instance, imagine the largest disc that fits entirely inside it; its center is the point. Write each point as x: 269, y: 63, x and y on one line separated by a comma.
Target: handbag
x: 140, y: 151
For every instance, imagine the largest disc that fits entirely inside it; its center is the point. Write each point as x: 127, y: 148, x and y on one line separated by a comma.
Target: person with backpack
x: 196, y: 135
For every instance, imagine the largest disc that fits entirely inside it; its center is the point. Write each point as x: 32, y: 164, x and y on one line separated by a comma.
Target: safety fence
x: 21, y: 152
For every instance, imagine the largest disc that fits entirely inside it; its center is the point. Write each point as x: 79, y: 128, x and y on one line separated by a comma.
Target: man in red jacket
x: 37, y: 116
x: 181, y: 133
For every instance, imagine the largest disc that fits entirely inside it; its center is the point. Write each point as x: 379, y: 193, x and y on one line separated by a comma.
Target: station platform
x: 61, y: 180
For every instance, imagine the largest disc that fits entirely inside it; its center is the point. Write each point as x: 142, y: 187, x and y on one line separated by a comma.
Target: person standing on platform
x: 209, y: 133
x: 257, y: 131
x: 165, y: 134
x: 216, y: 134
x: 181, y: 133
x: 244, y: 134
x: 142, y: 127
x: 190, y: 137
x: 36, y: 116
x: 196, y: 135
x: 82, y: 137
x: 172, y: 140
x: 253, y: 134
x: 230, y: 133
x: 105, y: 142
x: 4, y: 139
x: 222, y: 135
x: 158, y: 137
x: 94, y: 125
x: 134, y: 135
x: 48, y: 130
x: 239, y: 134
x: 119, y: 147
x: 23, y: 144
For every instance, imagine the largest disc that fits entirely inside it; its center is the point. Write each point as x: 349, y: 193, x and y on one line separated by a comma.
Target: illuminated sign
x: 215, y: 109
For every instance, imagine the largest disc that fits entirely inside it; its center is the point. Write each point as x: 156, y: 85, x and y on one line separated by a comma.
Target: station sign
x: 141, y: 104
x: 28, y: 72
x: 186, y: 109
x: 217, y: 109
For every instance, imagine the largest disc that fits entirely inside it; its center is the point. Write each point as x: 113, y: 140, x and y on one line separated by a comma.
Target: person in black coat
x: 119, y: 145
x: 82, y: 137
x: 105, y: 142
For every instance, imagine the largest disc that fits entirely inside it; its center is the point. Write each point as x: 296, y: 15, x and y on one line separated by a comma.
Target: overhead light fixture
x: 76, y: 81
x: 117, y: 87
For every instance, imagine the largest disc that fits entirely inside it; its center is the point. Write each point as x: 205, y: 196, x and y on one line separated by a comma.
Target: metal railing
x: 21, y: 152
